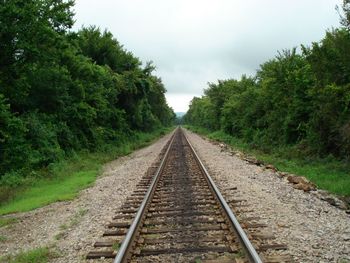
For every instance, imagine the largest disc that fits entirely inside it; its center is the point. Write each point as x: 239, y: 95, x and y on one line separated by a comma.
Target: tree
x: 345, y: 18
x: 30, y: 34
x: 103, y: 49
x: 63, y: 91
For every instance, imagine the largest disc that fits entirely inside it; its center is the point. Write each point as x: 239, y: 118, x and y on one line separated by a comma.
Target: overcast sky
x: 200, y: 41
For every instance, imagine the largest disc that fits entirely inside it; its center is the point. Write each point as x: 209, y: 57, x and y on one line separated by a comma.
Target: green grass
x: 47, y: 191
x: 328, y: 173
x: 7, y: 221
x: 39, y: 255
x: 68, y: 177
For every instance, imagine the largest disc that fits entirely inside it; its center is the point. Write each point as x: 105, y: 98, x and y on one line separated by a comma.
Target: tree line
x: 297, y: 99
x: 63, y: 91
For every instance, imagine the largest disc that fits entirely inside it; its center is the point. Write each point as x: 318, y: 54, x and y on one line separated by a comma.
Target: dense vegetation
x: 63, y: 92
x: 297, y: 100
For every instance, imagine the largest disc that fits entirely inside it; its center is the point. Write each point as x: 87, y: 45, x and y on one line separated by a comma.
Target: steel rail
x: 122, y: 255
x: 245, y: 242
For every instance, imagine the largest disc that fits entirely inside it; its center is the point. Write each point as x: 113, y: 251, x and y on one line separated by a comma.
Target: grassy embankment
x: 328, y: 174
x: 68, y: 177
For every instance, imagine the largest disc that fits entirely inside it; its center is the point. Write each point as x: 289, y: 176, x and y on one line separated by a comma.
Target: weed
x: 77, y: 217
x: 7, y: 221
x: 82, y: 212
x: 59, y: 236
x: 63, y: 227
x: 73, y: 222
x: 38, y: 255
x: 3, y: 238
x: 240, y: 254
x: 116, y: 246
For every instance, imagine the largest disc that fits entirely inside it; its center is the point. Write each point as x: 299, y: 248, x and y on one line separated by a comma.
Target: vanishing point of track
x: 178, y: 215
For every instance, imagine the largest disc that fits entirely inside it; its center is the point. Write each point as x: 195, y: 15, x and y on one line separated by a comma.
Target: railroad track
x: 177, y: 214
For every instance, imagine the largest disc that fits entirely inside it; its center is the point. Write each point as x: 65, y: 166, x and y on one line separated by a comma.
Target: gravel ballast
x: 314, y: 230
x: 72, y: 227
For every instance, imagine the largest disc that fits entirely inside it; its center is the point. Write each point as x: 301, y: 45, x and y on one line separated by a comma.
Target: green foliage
x: 327, y: 173
x: 330, y: 107
x: 64, y: 179
x: 62, y: 92
x: 103, y: 49
x: 295, y: 100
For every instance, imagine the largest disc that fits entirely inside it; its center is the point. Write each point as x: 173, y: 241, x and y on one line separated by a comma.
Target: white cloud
x: 180, y: 100
x: 200, y: 41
